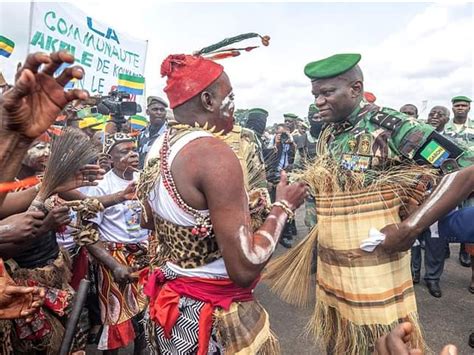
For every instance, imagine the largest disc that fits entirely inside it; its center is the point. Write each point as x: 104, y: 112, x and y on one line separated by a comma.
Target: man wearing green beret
x: 290, y: 121
x: 366, y: 141
x: 461, y: 131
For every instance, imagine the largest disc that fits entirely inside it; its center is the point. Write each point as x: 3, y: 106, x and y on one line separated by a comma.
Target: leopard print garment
x: 178, y: 245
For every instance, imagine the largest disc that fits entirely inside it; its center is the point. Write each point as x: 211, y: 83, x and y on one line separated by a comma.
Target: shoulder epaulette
x: 386, y: 119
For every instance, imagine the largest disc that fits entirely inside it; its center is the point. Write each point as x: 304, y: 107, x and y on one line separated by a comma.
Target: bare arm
x: 31, y: 106
x: 121, y: 273
x: 106, y: 200
x: 219, y: 179
x: 17, y: 202
x: 13, y: 147
x: 99, y: 252
x: 452, y: 190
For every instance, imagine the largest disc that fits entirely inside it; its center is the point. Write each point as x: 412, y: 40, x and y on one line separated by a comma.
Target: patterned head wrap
x: 113, y: 139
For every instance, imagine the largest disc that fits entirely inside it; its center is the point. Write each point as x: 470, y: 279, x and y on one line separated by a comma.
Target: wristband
x: 283, y: 204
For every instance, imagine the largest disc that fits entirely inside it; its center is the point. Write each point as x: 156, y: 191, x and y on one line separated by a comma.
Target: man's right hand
x: 123, y: 274
x: 294, y: 194
x: 57, y: 217
x: 37, y: 97
x: 19, y: 227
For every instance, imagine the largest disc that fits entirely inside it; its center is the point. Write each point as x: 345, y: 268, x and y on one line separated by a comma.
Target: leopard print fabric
x: 178, y: 245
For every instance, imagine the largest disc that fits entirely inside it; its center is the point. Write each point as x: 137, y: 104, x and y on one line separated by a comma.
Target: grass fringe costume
x: 360, y: 296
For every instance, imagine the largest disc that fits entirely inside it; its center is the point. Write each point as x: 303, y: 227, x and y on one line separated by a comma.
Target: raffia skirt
x: 360, y: 296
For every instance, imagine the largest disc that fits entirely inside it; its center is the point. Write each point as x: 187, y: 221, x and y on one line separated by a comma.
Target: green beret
x: 312, y: 109
x: 460, y: 98
x: 290, y: 116
x: 331, y: 66
x: 257, y: 112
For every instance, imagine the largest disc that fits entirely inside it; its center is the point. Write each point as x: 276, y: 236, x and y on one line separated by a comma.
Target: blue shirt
x: 457, y: 226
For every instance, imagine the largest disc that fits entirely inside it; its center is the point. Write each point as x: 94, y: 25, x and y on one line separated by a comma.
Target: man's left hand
x: 36, y: 99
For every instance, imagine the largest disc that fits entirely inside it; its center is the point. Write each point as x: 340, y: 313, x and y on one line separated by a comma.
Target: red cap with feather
x: 188, y: 75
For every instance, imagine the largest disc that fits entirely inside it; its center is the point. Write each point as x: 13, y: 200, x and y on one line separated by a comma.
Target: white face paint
x: 443, y: 187
x: 256, y: 255
x: 227, y: 105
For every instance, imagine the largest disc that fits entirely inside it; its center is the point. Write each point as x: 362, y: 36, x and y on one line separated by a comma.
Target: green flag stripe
x: 7, y: 41
x: 132, y: 78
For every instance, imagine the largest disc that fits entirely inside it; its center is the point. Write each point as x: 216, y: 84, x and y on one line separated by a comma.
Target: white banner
x: 99, y: 49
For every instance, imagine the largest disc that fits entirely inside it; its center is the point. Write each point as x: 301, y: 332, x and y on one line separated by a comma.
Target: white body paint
x: 256, y: 255
x: 431, y: 202
x: 6, y: 228
x: 280, y: 223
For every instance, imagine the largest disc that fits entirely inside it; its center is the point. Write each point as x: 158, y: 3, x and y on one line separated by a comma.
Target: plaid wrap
x: 360, y: 295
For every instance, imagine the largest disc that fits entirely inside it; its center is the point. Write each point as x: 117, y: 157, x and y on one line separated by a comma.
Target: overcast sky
x: 411, y: 52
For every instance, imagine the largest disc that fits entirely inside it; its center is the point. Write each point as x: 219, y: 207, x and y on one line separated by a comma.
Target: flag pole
x: 30, y: 27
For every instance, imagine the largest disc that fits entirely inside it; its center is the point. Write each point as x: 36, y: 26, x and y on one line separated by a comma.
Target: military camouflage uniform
x: 376, y: 137
x: 464, y: 136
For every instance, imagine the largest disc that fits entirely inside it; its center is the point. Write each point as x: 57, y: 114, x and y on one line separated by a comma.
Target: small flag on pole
x: 6, y: 46
x: 138, y: 122
x: 132, y: 84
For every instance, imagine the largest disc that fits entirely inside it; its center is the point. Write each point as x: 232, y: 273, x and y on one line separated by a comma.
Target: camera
x: 115, y: 106
x: 284, y: 137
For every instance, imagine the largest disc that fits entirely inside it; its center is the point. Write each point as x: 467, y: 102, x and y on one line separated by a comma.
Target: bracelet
x: 283, y: 204
x: 38, y: 206
x: 38, y: 187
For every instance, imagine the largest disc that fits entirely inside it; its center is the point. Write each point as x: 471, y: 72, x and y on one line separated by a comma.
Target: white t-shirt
x: 119, y: 223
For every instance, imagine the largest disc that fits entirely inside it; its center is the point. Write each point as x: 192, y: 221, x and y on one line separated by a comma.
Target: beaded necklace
x: 203, y: 226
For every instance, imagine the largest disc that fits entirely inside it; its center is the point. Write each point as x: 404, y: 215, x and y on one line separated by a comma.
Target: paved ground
x: 449, y: 319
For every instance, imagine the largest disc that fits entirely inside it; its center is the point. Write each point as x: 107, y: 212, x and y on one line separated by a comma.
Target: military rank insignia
x: 365, y: 144
x: 357, y: 163
x: 352, y: 145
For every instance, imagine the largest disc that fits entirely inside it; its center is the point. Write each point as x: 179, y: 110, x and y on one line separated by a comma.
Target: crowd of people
x: 175, y: 224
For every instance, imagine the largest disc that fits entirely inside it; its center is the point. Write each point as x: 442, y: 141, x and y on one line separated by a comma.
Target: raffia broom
x: 293, y: 287
x: 70, y: 151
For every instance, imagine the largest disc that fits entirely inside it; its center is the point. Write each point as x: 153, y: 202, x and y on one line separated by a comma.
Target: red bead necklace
x: 203, y: 226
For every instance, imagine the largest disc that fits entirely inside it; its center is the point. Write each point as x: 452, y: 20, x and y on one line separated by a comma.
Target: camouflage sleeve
x: 410, y: 136
x: 420, y: 142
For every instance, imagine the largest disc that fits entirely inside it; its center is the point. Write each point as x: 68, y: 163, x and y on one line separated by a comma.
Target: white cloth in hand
x: 375, y: 238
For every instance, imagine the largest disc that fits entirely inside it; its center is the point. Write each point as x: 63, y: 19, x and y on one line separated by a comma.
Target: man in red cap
x: 209, y: 258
